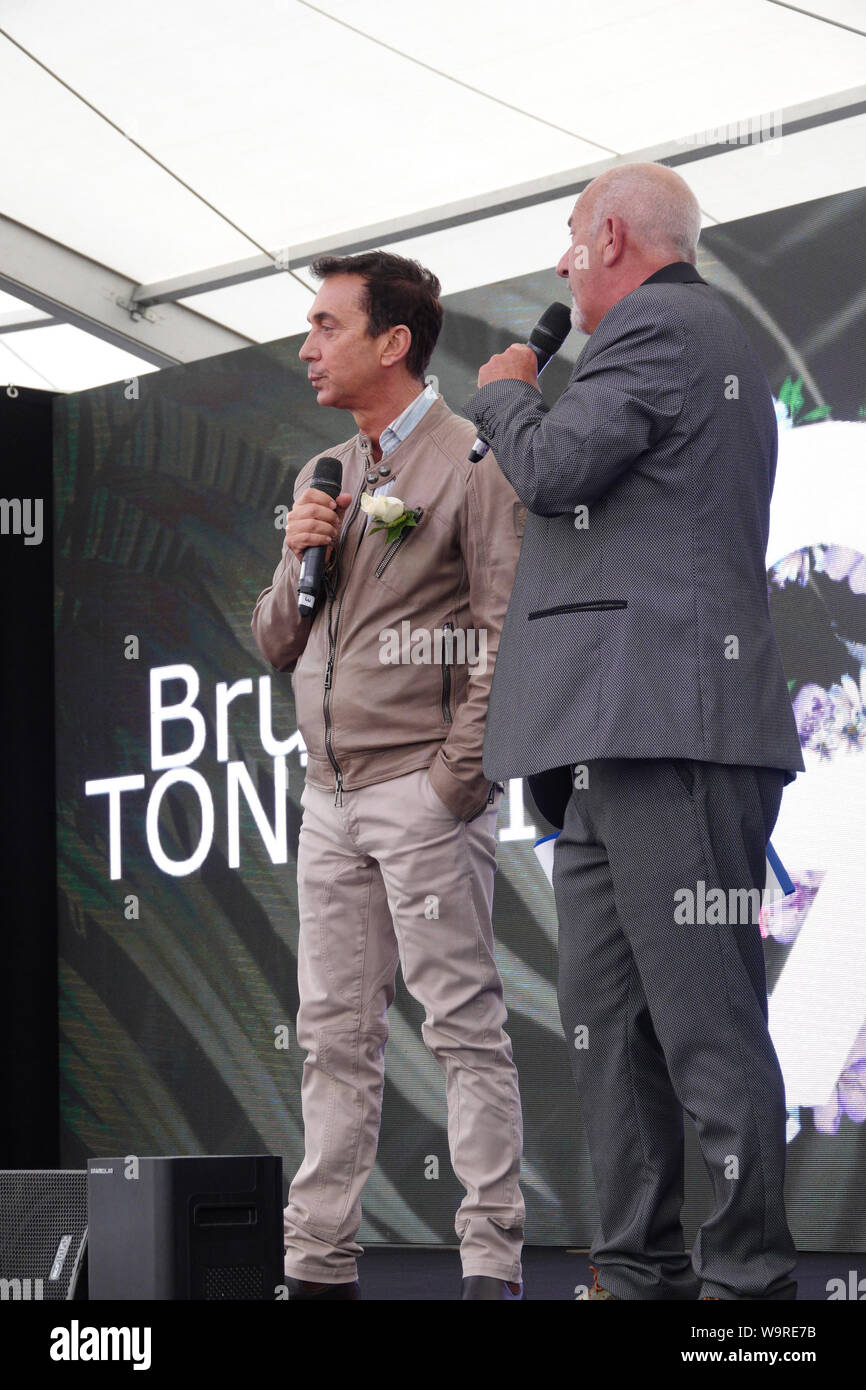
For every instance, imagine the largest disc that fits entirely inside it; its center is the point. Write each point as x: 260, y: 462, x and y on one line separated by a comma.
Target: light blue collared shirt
x: 400, y: 429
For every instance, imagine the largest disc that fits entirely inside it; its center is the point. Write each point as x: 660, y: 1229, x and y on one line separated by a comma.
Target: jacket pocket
x: 447, y: 662
x: 392, y: 549
x: 601, y: 606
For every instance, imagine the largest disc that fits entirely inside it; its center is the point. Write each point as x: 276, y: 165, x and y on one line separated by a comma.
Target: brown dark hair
x: 396, y: 290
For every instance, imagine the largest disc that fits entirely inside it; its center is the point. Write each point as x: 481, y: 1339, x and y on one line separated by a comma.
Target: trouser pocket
x: 685, y: 771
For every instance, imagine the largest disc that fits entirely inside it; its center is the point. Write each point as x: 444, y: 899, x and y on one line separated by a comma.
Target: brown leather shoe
x: 485, y: 1286
x: 598, y: 1290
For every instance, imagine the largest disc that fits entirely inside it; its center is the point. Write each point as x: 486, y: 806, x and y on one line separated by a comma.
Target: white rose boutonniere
x: 390, y: 515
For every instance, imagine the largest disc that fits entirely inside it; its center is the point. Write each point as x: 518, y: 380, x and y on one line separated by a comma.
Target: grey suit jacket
x: 639, y: 627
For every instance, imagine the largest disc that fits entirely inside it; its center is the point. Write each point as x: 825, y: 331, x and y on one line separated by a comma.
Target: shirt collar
x: 679, y: 272
x: 401, y: 427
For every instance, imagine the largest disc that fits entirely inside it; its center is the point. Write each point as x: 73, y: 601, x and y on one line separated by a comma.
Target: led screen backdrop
x: 180, y: 768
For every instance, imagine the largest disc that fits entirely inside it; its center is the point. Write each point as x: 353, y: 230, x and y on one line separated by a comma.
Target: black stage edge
x: 29, y: 1131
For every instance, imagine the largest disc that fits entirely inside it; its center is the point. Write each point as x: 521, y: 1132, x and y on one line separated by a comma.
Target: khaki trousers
x: 393, y: 874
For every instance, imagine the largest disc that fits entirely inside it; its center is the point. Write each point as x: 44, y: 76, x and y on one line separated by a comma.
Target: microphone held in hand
x: 327, y: 478
x: 549, y: 334
x: 546, y: 338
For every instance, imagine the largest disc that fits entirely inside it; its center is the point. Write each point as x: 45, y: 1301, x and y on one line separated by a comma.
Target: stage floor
x: 408, y: 1272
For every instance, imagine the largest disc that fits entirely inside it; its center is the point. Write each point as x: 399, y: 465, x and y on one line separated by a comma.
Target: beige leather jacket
x: 377, y: 693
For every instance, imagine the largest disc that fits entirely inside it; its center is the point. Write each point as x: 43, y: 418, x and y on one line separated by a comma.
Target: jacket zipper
x: 395, y: 545
x: 602, y: 605
x: 447, y: 658
x: 332, y: 584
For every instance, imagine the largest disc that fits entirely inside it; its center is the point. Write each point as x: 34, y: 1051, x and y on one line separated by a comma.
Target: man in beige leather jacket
x: 396, y: 855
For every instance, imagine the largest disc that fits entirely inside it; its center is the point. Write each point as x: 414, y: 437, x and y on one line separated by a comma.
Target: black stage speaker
x: 43, y: 1235
x: 203, y: 1227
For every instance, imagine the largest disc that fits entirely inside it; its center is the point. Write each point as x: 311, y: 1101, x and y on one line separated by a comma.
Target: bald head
x: 626, y: 224
x: 659, y: 210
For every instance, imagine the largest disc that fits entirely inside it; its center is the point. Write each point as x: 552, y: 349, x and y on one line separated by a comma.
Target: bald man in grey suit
x: 640, y: 687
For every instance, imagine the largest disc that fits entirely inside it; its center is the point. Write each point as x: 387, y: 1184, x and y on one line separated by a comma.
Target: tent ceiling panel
x: 848, y: 12
x: 295, y: 126
x: 270, y: 308
x: 63, y: 358
x: 628, y: 73
x: 14, y: 310
x: 265, y: 127
x: 199, y: 135
x: 70, y: 176
x: 738, y: 183
x: 777, y: 173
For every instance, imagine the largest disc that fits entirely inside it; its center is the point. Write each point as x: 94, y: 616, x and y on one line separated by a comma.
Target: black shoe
x: 485, y: 1286
x: 304, y: 1289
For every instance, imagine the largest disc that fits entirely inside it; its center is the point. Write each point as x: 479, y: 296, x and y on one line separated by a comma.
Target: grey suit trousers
x: 664, y: 1015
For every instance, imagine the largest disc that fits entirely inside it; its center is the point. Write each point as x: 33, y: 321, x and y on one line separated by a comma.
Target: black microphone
x: 546, y: 338
x: 327, y: 477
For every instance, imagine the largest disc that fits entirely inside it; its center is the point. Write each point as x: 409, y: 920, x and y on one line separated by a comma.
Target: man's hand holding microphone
x: 316, y: 519
x: 313, y: 529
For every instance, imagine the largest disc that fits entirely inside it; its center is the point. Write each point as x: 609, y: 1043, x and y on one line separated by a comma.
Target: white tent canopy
x: 169, y: 173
